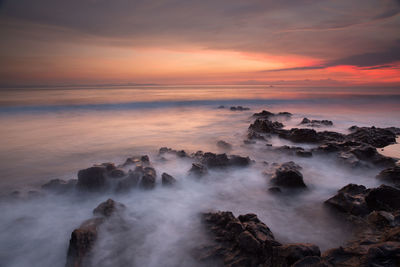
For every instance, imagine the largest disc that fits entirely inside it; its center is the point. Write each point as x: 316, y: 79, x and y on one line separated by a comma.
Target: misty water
x: 54, y: 132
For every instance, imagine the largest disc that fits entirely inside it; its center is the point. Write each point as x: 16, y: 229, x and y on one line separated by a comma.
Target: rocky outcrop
x: 288, y: 175
x: 246, y: 241
x: 316, y: 123
x: 376, y: 137
x: 390, y: 175
x: 239, y: 108
x: 84, y: 238
x: 167, y: 180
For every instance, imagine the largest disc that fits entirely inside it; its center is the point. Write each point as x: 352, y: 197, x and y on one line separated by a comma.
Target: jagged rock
x: 224, y: 145
x: 149, y: 178
x: 390, y: 175
x: 316, y: 123
x: 108, y: 207
x: 212, y: 160
x: 288, y: 175
x: 300, y: 135
x: 59, y: 186
x: 92, y: 179
x: 84, y: 238
x: 239, y: 108
x: 198, y: 169
x: 377, y: 137
x: 167, y: 179
x: 263, y: 114
x: 137, y: 161
x: 266, y: 126
x: 350, y: 199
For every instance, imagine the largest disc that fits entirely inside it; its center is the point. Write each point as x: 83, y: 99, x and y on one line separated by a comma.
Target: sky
x: 296, y: 42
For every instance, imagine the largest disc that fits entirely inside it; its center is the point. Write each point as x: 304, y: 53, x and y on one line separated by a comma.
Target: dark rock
x: 301, y: 135
x: 149, y: 178
x: 59, y: 186
x: 385, y: 198
x: 224, y: 145
x: 116, y: 173
x: 178, y: 153
x: 198, y: 169
x: 167, y: 179
x: 266, y: 126
x: 304, y: 154
x: 212, y: 160
x: 390, y: 175
x: 288, y: 175
x: 263, y: 114
x: 350, y: 199
x: 81, y: 243
x: 92, y: 179
x: 137, y: 161
x: 377, y: 137
x: 381, y: 219
x: 311, y: 261
x: 316, y: 123
x: 239, y: 108
x: 108, y: 208
x: 221, y: 107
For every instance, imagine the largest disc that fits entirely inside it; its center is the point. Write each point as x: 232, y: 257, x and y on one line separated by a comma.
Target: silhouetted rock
x: 266, y: 126
x: 239, y: 108
x: 224, y: 145
x: 198, y: 169
x: 316, y: 123
x: 167, y: 179
x: 390, y: 175
x: 288, y: 175
x: 92, y: 179
x: 377, y: 137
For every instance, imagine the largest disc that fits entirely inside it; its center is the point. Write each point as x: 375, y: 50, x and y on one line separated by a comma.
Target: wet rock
x: 198, y: 169
x: 316, y: 123
x: 92, y: 179
x: 178, y: 153
x: 381, y: 219
x: 288, y: 175
x: 301, y: 135
x: 266, y: 126
x: 377, y: 137
x: 108, y: 208
x: 390, y: 175
x: 167, y: 180
x: 84, y: 238
x: 149, y: 178
x: 239, y: 108
x: 59, y: 186
x: 350, y: 199
x: 385, y: 198
x: 224, y: 145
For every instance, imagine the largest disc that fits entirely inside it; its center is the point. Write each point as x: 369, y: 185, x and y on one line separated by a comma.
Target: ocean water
x: 52, y: 133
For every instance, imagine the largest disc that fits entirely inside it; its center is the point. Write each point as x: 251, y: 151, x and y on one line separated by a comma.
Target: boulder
x: 167, y: 180
x: 288, y: 175
x: 351, y: 200
x: 92, y: 179
x: 384, y: 197
x: 149, y: 178
x: 266, y: 126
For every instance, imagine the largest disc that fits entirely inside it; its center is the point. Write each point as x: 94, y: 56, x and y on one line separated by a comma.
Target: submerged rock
x: 239, y: 108
x: 198, y: 169
x: 149, y: 178
x: 59, y: 186
x: 108, y: 208
x: 212, y: 160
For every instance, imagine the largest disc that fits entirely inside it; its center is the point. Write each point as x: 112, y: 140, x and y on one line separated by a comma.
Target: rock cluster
x: 316, y: 123
x: 246, y: 241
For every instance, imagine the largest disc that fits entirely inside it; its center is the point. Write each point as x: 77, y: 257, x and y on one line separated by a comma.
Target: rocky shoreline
x: 245, y: 240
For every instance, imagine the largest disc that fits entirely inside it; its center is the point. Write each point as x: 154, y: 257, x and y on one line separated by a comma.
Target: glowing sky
x: 200, y: 42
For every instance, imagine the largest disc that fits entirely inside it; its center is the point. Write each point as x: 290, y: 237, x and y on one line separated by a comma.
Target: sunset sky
x: 313, y: 42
